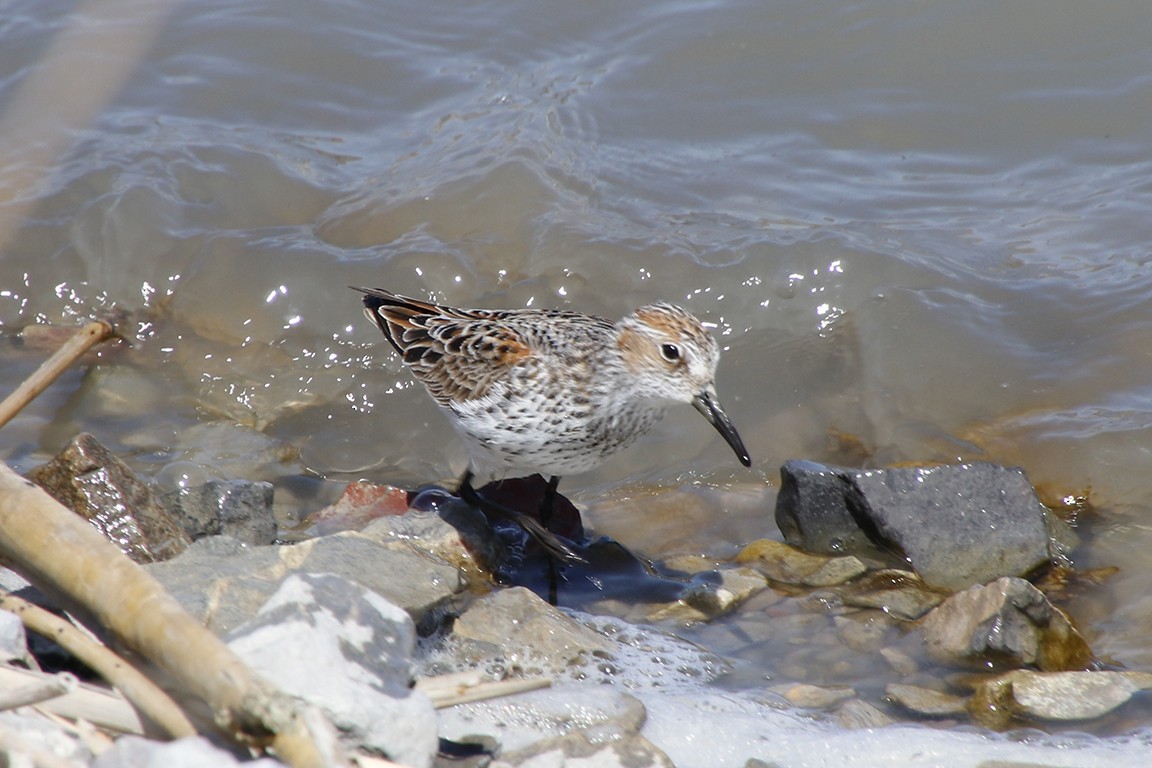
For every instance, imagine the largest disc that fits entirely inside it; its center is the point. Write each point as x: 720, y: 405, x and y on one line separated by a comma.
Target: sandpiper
x: 551, y: 391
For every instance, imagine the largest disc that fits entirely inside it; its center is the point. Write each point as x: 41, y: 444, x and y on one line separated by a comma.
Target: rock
x: 241, y: 509
x: 958, y: 525
x: 358, y: 505
x: 783, y: 563
x: 191, y: 752
x: 902, y: 594
x: 223, y: 582
x: 1057, y: 696
x: 813, y: 696
x: 856, y: 713
x: 88, y: 479
x: 925, y: 701
x: 517, y: 630
x: 232, y: 449
x: 13, y: 641
x: 863, y: 631
x: 1008, y: 622
x: 900, y: 662
x: 349, y: 651
x: 711, y: 594
x: 31, y: 739
x: 812, y: 509
x: 517, y: 722
x: 448, y: 529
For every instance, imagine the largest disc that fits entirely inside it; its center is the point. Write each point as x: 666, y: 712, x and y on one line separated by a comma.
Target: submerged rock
x: 711, y: 594
x: 88, y: 479
x: 241, y: 509
x: 1008, y: 623
x: 957, y: 525
x: 925, y: 701
x: 786, y: 564
x: 899, y: 593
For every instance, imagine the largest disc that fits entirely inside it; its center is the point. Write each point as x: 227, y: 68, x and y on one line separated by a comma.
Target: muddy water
x: 920, y: 228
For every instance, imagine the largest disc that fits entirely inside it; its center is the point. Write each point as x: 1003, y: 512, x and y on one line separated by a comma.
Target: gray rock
x: 812, y: 510
x: 349, y: 651
x: 223, y: 582
x: 518, y: 631
x: 191, y: 752
x: 1007, y: 622
x: 453, y: 532
x: 958, y: 525
x: 88, y: 479
x: 241, y: 509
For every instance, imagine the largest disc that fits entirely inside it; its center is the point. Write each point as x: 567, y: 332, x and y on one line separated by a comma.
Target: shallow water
x: 920, y: 227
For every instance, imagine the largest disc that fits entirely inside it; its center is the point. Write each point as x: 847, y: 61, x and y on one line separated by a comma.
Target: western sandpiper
x: 550, y: 391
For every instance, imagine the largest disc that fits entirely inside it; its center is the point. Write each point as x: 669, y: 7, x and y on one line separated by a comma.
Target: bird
x: 550, y: 391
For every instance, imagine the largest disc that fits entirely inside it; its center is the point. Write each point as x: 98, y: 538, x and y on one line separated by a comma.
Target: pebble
x: 787, y: 564
x: 925, y: 701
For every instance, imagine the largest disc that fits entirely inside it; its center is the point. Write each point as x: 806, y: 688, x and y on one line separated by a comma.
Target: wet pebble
x: 925, y: 701
x: 813, y: 696
x: 789, y: 565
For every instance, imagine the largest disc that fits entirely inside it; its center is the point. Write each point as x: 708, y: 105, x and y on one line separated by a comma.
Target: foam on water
x: 699, y: 726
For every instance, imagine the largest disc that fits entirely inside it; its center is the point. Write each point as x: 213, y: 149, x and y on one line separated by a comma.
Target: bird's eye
x: 670, y: 352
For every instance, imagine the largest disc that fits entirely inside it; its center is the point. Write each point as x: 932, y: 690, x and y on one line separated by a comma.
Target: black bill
x: 706, y: 403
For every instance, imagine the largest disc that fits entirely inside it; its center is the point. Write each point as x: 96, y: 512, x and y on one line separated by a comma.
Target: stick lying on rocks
x: 145, y: 695
x: 70, y: 560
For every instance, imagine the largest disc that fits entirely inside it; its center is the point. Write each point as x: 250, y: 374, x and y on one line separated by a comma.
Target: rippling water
x: 921, y: 228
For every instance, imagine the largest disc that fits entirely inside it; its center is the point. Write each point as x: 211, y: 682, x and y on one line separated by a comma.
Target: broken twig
x: 84, y: 339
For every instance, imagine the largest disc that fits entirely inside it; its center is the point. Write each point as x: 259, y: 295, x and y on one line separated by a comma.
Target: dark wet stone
x: 88, y: 479
x: 241, y: 509
x: 957, y: 525
x: 1007, y: 623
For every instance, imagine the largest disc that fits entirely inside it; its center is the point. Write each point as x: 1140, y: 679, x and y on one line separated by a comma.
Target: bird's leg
x: 548, y: 540
x: 547, y: 506
x: 548, y: 503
